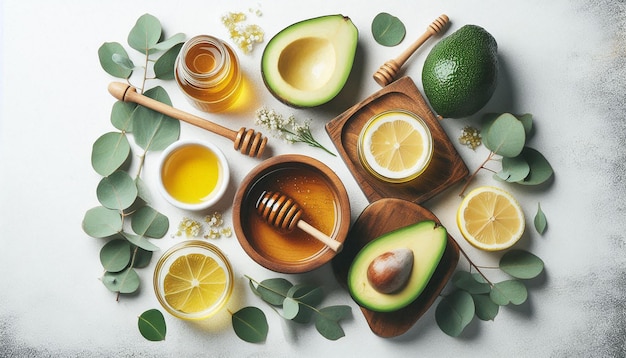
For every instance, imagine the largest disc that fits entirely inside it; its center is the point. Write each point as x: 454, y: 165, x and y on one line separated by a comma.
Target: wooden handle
x: 245, y: 140
x: 389, y: 70
x: 282, y: 212
x: 325, y: 239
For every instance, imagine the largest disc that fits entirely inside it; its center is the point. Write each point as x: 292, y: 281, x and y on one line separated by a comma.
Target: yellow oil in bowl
x: 193, y: 175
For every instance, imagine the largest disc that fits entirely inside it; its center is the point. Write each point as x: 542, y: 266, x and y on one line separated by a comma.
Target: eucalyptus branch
x: 471, y: 177
x: 473, y: 265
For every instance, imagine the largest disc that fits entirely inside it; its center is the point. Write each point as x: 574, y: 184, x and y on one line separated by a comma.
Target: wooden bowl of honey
x: 322, y: 198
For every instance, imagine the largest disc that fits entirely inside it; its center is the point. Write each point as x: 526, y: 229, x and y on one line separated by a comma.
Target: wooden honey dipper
x: 284, y: 213
x: 389, y: 70
x: 245, y: 140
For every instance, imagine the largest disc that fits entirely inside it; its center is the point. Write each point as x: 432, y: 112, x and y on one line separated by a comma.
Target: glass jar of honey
x: 207, y: 71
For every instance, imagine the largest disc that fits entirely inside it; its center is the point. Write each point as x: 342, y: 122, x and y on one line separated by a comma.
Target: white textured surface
x: 563, y: 61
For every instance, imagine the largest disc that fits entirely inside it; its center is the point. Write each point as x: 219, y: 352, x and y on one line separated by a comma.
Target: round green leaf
x: 250, y: 324
x: 326, y: 321
x: 105, y: 54
x: 506, y: 136
x: 123, y: 61
x: 465, y: 281
x: 290, y: 308
x: 511, y: 291
x: 387, y: 29
x: 273, y: 290
x: 117, y: 191
x: 143, y: 190
x: 540, y: 220
x: 152, y: 326
x: 115, y: 255
x: 140, y: 241
x: 486, y: 310
x: 121, y: 116
x: 454, y: 312
x: 164, y: 66
x: 153, y: 130
x: 145, y: 34
x: 169, y: 43
x: 513, y: 169
x: 109, y: 152
x: 126, y: 281
x: 142, y: 257
x: 527, y: 122
x: 521, y: 264
x: 148, y: 222
x: 540, y: 169
x: 102, y: 222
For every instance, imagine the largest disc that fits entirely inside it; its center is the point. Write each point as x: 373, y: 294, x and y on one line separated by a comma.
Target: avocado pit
x: 390, y: 271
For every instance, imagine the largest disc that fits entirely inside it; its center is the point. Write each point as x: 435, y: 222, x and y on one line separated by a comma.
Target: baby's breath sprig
x: 288, y: 129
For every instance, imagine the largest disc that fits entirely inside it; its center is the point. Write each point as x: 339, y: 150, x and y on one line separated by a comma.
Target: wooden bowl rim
x: 335, y: 184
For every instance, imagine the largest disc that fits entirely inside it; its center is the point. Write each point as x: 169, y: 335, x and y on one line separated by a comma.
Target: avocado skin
x: 460, y: 73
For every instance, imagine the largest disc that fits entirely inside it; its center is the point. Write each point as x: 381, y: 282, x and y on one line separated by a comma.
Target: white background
x: 562, y: 61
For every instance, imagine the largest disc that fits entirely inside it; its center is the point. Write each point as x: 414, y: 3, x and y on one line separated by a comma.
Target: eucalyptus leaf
x: 153, y: 130
x: 164, y: 65
x: 540, y: 169
x: 273, y: 290
x: 510, y: 291
x: 540, y: 220
x: 521, y: 264
x: 291, y: 308
x: 121, y: 115
x: 100, y: 222
x: 152, y: 326
x: 143, y: 190
x: 176, y: 39
x: 142, y: 257
x: 250, y: 324
x: 487, y: 121
x: 486, y: 309
x: 308, y: 296
x: 327, y: 321
x: 506, y: 136
x: 466, y: 281
x: 126, y: 281
x: 387, y: 29
x: 148, y: 222
x: 145, y: 34
x: 123, y: 61
x: 513, y: 169
x: 109, y: 153
x: 117, y: 191
x: 454, y: 312
x: 115, y: 255
x: 140, y: 241
x: 527, y: 122
x: 105, y: 55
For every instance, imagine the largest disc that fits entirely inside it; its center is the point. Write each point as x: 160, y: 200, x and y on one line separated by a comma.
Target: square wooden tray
x: 446, y: 167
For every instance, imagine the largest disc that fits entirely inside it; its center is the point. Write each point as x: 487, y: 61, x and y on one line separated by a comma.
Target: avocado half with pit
x: 308, y: 63
x: 391, y: 271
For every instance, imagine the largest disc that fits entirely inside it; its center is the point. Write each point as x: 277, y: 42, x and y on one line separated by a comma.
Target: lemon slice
x: 490, y: 219
x: 194, y: 283
x: 395, y: 146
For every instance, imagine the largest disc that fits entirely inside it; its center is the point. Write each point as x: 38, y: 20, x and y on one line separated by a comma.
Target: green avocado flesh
x: 460, y: 73
x: 308, y: 63
x: 426, y: 239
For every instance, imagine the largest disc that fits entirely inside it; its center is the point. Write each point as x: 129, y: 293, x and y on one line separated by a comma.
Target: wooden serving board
x: 446, y: 167
x: 378, y: 218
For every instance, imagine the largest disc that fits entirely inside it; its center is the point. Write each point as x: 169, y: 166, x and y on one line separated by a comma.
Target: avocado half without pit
x: 308, y: 63
x: 391, y: 271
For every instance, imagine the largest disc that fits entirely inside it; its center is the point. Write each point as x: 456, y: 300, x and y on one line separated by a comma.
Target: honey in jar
x: 207, y: 71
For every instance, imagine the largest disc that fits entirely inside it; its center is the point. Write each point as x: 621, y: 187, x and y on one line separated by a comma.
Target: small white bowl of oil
x: 193, y: 174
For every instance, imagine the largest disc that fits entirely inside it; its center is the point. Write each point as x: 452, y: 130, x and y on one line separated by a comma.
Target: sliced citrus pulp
x: 490, y: 219
x: 194, y: 283
x: 396, y: 145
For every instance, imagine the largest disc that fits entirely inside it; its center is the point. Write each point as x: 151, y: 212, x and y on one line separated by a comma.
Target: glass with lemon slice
x: 193, y: 280
x: 395, y: 146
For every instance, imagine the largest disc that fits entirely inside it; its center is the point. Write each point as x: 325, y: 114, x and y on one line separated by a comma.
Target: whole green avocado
x: 460, y: 73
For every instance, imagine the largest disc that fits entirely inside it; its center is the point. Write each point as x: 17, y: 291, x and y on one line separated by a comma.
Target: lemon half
x: 490, y: 218
x: 395, y: 146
